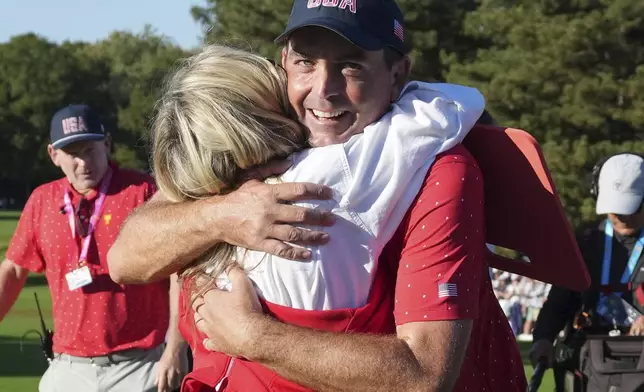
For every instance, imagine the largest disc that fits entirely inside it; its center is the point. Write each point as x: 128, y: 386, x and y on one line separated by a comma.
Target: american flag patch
x: 398, y: 30
x: 447, y: 290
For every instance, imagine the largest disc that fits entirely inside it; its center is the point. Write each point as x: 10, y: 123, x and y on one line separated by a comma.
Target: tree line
x: 570, y: 72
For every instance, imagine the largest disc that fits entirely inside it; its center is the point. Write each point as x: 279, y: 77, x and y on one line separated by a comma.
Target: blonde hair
x: 223, y: 111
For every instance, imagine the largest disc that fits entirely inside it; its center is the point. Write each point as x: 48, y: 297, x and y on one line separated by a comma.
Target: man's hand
x: 12, y: 279
x: 415, y: 360
x: 171, y: 369
x: 227, y: 317
x: 255, y: 216
x: 258, y: 217
x: 541, y: 352
x: 637, y: 329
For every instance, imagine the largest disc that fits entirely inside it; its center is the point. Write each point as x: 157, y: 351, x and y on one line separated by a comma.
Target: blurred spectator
x: 521, y: 299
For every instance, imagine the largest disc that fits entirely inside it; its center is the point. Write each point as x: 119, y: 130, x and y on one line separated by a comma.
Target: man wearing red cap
x: 431, y: 323
x: 107, y: 336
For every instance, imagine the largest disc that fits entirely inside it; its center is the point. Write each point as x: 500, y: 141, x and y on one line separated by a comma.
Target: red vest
x: 210, y: 368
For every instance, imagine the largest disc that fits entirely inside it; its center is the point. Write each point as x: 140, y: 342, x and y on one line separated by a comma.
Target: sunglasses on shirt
x: 82, y: 224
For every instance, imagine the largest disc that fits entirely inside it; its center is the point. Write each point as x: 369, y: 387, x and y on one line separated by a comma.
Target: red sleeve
x: 442, y: 262
x: 23, y: 248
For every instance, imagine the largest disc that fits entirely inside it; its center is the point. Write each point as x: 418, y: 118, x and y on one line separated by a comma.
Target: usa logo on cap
x: 333, y: 3
x: 75, y: 123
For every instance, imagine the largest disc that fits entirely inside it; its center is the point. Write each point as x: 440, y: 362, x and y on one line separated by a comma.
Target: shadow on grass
x: 16, y: 363
x: 524, y: 347
x: 34, y: 280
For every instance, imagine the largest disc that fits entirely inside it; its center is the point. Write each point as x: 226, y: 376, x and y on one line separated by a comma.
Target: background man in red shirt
x: 107, y: 337
x: 444, y: 327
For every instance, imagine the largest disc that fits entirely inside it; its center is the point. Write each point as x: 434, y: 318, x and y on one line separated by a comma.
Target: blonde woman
x: 226, y: 111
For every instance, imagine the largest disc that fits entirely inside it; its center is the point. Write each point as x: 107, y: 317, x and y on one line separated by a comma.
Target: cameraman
x: 612, y: 251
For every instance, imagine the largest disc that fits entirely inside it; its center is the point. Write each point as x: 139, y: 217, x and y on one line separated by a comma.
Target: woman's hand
x: 230, y: 319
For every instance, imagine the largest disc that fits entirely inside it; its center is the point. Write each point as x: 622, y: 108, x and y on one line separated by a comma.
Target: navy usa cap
x: 369, y: 24
x: 75, y: 123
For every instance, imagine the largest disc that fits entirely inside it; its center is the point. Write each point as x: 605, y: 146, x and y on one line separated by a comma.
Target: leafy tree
x: 569, y: 72
x: 138, y: 65
x: 561, y: 69
x: 252, y: 25
x: 120, y: 77
x: 37, y: 78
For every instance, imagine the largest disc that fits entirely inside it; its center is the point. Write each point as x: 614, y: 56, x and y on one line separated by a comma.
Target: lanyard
x: 608, y: 250
x: 93, y: 220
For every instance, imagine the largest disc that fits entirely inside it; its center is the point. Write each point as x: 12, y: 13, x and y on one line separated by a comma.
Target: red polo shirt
x: 103, y: 317
x: 432, y: 269
x: 439, y: 253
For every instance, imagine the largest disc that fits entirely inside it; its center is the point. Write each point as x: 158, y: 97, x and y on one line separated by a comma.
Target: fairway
x: 8, y: 221
x: 21, y: 371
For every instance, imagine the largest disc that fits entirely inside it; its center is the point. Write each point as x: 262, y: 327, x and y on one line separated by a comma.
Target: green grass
x: 20, y: 371
x: 8, y: 221
x: 548, y: 382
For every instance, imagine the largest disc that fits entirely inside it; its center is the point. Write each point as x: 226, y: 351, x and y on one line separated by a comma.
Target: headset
x: 594, y: 176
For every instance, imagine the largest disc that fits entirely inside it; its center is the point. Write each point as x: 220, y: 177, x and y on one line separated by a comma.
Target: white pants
x: 136, y: 375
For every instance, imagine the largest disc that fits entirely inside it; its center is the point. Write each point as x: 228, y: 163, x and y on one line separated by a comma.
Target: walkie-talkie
x: 46, y: 337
